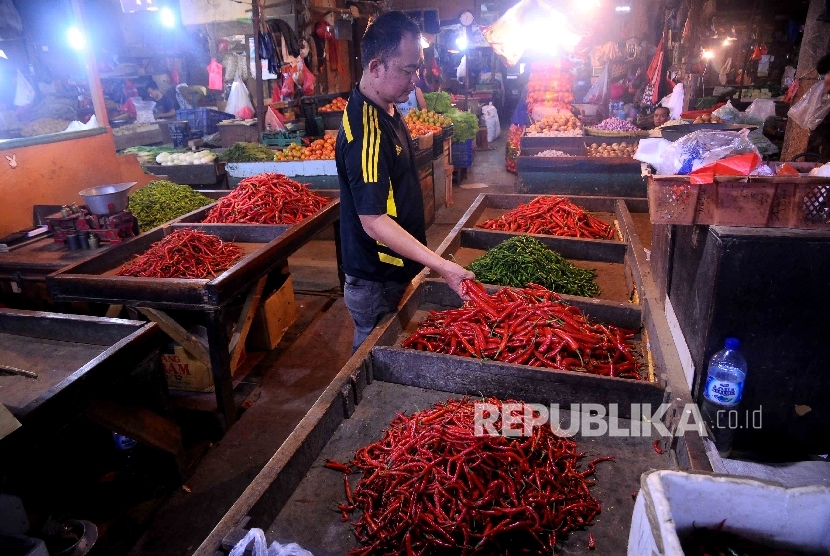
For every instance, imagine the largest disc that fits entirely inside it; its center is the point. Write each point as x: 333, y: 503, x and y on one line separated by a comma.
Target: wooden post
x: 256, y: 15
x: 91, y: 67
x: 813, y: 47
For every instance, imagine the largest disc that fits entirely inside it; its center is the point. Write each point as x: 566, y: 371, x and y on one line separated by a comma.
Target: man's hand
x: 454, y: 274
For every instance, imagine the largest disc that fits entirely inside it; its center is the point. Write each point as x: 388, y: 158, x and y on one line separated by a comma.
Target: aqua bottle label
x: 723, y: 392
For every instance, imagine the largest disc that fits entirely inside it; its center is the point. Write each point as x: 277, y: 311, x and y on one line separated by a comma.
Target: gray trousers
x: 367, y: 302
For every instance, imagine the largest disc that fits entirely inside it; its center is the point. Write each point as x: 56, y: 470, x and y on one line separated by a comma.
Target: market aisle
x: 291, y: 380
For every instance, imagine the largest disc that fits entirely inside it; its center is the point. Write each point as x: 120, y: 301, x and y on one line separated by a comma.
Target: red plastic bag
x: 308, y: 82
x: 740, y: 165
x: 287, y: 90
x: 787, y: 170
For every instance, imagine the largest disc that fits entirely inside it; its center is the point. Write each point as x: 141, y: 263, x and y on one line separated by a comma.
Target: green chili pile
x: 161, y: 201
x: 523, y: 260
x: 247, y: 152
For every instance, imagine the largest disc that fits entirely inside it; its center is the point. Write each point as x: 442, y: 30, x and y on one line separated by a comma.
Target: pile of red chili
x: 551, y: 215
x: 266, y: 199
x: 530, y: 326
x: 184, y: 254
x: 431, y: 484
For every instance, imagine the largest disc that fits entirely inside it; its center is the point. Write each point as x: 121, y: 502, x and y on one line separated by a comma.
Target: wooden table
x: 265, y: 247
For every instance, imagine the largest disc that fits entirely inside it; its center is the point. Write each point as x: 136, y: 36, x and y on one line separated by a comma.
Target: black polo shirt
x: 377, y: 172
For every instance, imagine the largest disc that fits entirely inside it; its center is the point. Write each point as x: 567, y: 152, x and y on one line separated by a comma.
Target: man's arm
x: 384, y: 229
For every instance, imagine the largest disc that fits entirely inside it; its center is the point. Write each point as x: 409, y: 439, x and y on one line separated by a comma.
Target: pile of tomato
x: 550, y: 85
x: 421, y: 122
x: 514, y: 137
x: 321, y: 149
x: 337, y: 105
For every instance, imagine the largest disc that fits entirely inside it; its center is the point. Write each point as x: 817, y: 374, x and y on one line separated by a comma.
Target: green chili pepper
x: 523, y: 260
x: 161, y: 201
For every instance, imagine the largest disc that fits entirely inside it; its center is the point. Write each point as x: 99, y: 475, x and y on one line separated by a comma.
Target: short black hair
x: 384, y: 35
x: 823, y: 65
x: 151, y: 85
x: 668, y: 112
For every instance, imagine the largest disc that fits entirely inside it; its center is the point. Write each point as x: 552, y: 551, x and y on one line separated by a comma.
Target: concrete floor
x: 291, y: 378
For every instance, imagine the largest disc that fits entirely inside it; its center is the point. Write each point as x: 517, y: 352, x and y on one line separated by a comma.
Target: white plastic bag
x: 491, y: 121
x: 728, y: 113
x: 260, y: 548
x: 674, y: 102
x: 759, y: 111
x: 256, y: 536
x: 461, y: 70
x: 812, y: 108
x: 24, y: 93
x: 822, y: 171
x: 694, y: 150
x: 653, y: 151
x: 239, y: 101
x: 80, y: 126
x: 596, y: 94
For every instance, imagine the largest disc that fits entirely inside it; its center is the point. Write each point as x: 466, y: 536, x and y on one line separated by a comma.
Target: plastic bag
x: 461, y: 71
x: 823, y: 171
x: 308, y: 82
x: 239, y: 102
x: 812, y: 108
x: 260, y: 548
x: 728, y: 113
x: 24, y: 94
x: 491, y: 121
x: 694, y: 150
x: 759, y: 111
x: 674, y: 102
x: 596, y: 94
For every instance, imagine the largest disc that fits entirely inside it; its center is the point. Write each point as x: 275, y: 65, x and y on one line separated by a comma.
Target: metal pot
x: 107, y: 199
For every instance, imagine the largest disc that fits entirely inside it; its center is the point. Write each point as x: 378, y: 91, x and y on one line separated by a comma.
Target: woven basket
x: 603, y: 133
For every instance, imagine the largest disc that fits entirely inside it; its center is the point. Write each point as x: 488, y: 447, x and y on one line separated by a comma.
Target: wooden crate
x: 273, y: 318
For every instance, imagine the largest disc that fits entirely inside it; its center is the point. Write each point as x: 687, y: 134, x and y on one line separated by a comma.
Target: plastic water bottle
x: 722, y: 394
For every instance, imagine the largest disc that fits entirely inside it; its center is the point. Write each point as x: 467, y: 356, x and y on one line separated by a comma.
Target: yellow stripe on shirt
x: 391, y: 208
x: 376, y: 156
x: 364, y: 156
x: 389, y: 259
x: 347, y: 128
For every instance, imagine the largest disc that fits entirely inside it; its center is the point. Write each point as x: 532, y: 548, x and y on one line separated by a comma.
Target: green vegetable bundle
x: 247, y: 152
x: 161, y: 201
x: 440, y: 102
x: 524, y: 260
x: 464, y: 124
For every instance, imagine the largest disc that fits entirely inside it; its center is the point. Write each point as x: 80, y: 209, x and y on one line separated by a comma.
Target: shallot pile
x: 616, y: 124
x: 553, y: 153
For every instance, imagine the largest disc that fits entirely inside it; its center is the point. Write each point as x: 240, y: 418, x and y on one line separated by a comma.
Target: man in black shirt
x: 381, y: 208
x: 165, y: 104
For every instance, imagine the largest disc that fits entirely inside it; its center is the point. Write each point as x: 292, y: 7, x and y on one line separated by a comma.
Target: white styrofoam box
x: 290, y: 169
x: 671, y: 503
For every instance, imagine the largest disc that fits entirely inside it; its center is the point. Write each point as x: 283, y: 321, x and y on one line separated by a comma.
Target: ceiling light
x: 76, y: 39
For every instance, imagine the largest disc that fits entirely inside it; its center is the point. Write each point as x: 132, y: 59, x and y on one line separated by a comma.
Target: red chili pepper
x: 337, y: 466
x: 657, y: 447
x: 184, y: 254
x: 552, y: 216
x: 591, y: 544
x: 267, y: 199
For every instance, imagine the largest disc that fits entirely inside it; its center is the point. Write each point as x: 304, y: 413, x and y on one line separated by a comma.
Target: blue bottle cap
x: 732, y: 344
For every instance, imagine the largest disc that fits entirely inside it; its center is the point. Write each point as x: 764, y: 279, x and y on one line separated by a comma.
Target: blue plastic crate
x: 462, y: 154
x: 203, y: 120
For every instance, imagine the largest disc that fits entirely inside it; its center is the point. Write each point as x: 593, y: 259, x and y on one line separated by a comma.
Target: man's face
x: 395, y: 79
x: 155, y: 94
x: 661, y: 117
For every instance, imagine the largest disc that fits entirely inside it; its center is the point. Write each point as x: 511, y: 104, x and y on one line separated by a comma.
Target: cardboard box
x: 425, y: 141
x: 273, y: 318
x: 671, y: 504
x: 185, y: 372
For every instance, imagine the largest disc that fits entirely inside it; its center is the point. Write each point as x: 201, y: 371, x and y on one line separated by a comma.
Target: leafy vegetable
x: 523, y: 260
x: 440, y: 102
x: 247, y: 152
x: 161, y: 201
x: 465, y: 125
